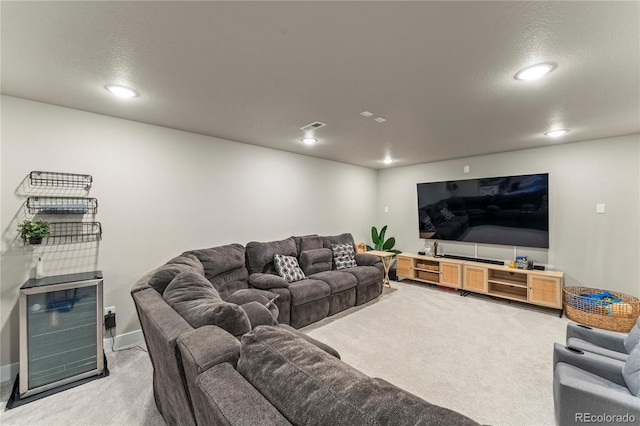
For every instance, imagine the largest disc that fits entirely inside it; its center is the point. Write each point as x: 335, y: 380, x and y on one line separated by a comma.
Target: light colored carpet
x: 486, y: 359
x: 125, y: 397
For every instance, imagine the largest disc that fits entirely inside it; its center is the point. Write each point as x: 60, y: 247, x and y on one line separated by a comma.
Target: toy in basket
x: 600, y: 308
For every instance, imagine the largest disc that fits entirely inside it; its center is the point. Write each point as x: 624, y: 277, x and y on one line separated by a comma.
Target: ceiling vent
x: 313, y: 126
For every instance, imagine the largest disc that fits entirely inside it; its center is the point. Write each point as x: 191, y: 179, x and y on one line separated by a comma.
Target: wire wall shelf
x: 62, y: 205
x: 71, y: 232
x: 73, y: 180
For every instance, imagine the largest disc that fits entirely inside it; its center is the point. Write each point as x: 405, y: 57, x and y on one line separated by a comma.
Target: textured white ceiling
x: 441, y: 73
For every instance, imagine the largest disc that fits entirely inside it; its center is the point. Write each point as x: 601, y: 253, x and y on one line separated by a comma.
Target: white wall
x: 161, y: 192
x: 592, y: 249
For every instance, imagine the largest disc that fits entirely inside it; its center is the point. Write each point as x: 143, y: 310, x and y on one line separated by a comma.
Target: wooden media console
x: 543, y: 288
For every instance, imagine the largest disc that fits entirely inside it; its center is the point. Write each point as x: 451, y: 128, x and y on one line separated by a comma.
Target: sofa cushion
x: 343, y: 256
x: 308, y: 242
x: 198, y: 302
x: 162, y: 276
x: 345, y: 238
x: 631, y: 371
x: 316, y: 260
x: 287, y: 267
x: 260, y: 255
x: 251, y: 295
x: 327, y: 391
x: 308, y: 291
x: 188, y: 260
x: 223, y: 265
x: 230, y: 287
x: 263, y: 297
x: 219, y: 260
x: 366, y: 274
x: 233, y: 276
x: 337, y: 280
x: 259, y: 314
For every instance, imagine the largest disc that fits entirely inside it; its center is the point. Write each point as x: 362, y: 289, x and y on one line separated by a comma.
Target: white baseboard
x: 122, y: 341
x: 8, y: 372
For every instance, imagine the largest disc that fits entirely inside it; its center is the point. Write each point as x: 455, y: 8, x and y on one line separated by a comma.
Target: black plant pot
x: 35, y: 240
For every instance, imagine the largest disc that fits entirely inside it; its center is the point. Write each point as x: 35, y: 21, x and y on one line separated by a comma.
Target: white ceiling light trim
x: 535, y: 72
x: 309, y: 141
x: 556, y: 133
x: 387, y: 160
x: 121, y: 91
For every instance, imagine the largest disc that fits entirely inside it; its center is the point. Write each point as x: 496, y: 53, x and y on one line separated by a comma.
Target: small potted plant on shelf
x: 34, y: 231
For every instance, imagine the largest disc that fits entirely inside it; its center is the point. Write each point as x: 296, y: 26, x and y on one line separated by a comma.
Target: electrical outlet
x: 109, y: 321
x: 109, y: 310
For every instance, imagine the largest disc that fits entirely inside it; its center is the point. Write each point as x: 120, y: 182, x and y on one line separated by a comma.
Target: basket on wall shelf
x: 616, y: 315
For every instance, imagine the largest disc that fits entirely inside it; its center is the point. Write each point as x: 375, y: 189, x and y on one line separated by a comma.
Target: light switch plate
x: 600, y: 208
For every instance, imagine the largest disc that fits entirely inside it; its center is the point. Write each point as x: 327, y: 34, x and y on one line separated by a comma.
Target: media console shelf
x: 543, y: 288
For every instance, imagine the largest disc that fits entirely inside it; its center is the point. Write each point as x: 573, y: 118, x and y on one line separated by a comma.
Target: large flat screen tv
x: 507, y: 210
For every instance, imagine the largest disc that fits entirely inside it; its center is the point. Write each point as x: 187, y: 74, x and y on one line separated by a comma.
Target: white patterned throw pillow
x: 343, y: 255
x: 287, y: 267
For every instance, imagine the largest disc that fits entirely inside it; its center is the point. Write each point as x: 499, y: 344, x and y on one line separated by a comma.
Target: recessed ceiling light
x: 387, y: 160
x: 309, y: 141
x: 121, y: 91
x: 380, y: 119
x: 535, y: 71
x: 556, y: 133
x: 366, y: 114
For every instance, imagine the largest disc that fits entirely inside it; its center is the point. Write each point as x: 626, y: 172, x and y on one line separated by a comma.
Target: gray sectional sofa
x: 221, y: 329
x: 326, y: 291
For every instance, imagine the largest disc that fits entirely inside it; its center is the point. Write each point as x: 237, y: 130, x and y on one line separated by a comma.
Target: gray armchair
x: 603, y: 342
x: 591, y: 388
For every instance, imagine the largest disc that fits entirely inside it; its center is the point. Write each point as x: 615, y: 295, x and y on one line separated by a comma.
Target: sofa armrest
x: 364, y: 259
x: 205, y: 347
x: 223, y: 397
x: 162, y: 326
x: 575, y: 394
x: 607, y: 368
x: 602, y: 338
x: 259, y: 314
x: 317, y: 260
x: 267, y: 281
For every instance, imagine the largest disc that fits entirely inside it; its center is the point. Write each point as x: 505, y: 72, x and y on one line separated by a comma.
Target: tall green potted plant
x: 34, y: 231
x: 379, y: 243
